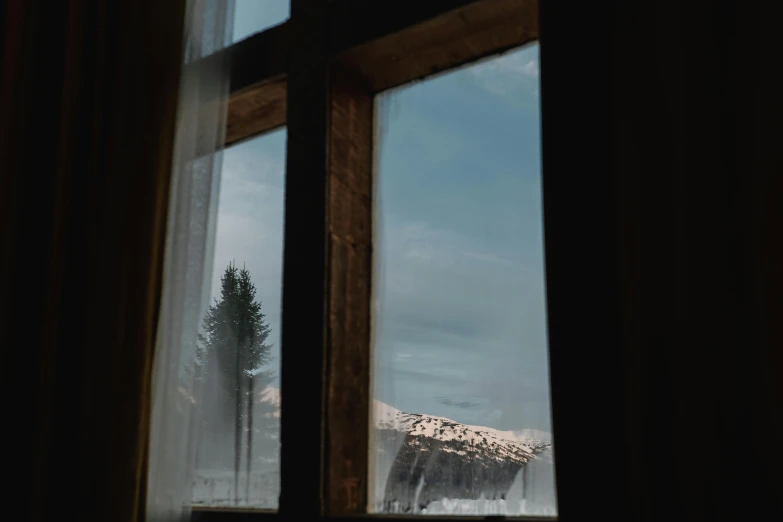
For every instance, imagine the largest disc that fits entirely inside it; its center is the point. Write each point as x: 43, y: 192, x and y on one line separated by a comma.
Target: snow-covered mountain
x: 520, y: 446
x: 421, y: 459
x: 508, y: 443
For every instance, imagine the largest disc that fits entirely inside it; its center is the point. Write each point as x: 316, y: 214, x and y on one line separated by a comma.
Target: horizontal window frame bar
x: 209, y: 514
x: 441, y: 35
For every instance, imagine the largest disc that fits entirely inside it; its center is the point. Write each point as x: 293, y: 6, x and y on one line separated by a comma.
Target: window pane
x: 239, y: 345
x: 254, y: 16
x: 461, y: 408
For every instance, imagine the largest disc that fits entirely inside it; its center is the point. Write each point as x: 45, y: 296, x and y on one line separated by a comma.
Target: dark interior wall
x: 88, y: 98
x: 662, y: 187
x: 30, y: 103
x: 662, y: 125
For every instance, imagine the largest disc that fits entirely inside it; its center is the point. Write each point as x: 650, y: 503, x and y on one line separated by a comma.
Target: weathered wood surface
x: 350, y: 285
x: 410, y: 42
x: 463, y: 35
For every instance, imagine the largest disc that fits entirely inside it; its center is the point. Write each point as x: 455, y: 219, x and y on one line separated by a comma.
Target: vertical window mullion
x: 327, y: 280
x: 349, y: 240
x: 304, y: 313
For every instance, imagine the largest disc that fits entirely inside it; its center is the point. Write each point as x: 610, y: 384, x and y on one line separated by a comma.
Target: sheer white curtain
x: 204, y: 90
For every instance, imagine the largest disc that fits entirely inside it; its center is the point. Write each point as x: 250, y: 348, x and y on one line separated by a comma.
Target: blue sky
x: 252, y: 16
x: 460, y: 310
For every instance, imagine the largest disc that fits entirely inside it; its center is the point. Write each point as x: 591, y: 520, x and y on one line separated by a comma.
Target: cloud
x: 257, y: 161
x: 465, y: 405
x: 423, y: 244
x: 444, y: 377
x: 472, y: 314
x: 488, y: 257
x: 510, y: 75
x: 531, y: 69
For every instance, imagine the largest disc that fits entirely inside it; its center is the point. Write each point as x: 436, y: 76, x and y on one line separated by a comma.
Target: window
x: 253, y: 16
x: 461, y: 409
x: 325, y: 95
x: 238, y: 439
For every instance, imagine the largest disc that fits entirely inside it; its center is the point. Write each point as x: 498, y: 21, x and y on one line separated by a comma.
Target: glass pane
x: 237, y: 453
x: 461, y: 409
x: 254, y: 16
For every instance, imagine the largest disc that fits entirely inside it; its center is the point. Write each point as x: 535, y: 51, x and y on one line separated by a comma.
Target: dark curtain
x: 663, y: 195
x: 88, y: 98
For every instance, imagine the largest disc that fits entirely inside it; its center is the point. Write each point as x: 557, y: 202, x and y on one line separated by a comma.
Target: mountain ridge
x: 386, y: 416
x: 418, y: 460
x: 506, y: 444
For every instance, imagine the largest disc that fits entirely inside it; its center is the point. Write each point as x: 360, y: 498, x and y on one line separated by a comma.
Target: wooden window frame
x: 318, y: 74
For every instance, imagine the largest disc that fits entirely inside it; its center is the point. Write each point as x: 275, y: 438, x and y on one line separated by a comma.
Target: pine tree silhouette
x: 233, y: 351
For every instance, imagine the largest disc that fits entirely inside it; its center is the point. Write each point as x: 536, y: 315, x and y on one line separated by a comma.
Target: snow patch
x: 501, y: 445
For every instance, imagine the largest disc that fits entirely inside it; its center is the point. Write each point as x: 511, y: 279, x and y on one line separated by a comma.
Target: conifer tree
x: 233, y: 350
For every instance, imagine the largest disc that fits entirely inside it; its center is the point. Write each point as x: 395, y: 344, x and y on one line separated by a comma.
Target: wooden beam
x: 257, y: 109
x: 414, y: 40
x: 258, y: 84
x: 327, y: 281
x: 350, y: 283
x: 454, y: 38
x: 327, y: 285
x: 358, y: 22
x: 260, y: 58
